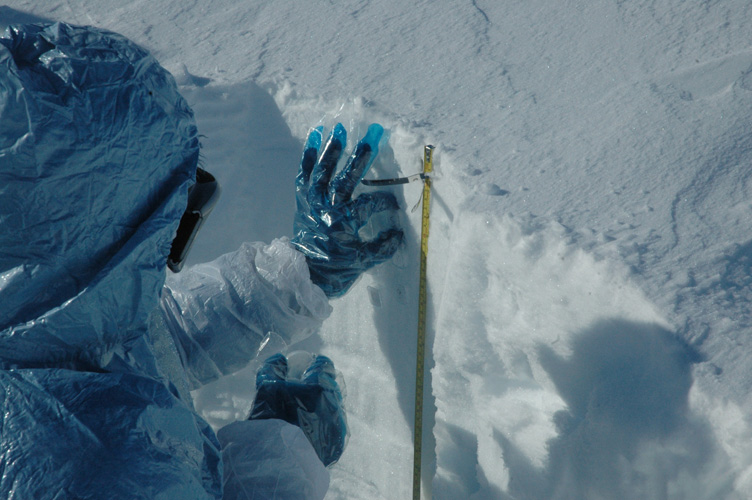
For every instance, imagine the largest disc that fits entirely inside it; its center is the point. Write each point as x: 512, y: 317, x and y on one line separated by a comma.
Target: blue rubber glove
x: 313, y: 403
x: 328, y: 218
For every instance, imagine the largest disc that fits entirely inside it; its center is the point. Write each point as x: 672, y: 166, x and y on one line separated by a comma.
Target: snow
x: 590, y: 253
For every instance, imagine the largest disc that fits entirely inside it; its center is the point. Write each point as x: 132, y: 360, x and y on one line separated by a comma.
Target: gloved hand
x: 328, y: 218
x: 313, y: 402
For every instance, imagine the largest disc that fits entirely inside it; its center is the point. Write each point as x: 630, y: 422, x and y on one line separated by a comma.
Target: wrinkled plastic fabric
x: 270, y: 459
x: 311, y: 400
x: 223, y: 313
x: 328, y: 219
x: 97, y: 151
x: 69, y: 434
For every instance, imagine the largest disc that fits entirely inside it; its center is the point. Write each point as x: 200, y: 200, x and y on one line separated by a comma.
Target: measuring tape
x: 425, y: 176
x: 422, y: 305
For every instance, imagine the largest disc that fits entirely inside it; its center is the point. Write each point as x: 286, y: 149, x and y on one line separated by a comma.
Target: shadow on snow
x: 627, y: 431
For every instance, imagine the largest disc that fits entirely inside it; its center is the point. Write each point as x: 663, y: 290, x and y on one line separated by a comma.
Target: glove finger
x: 367, y: 204
x: 323, y: 170
x: 325, y: 423
x: 357, y: 166
x: 383, y: 247
x: 273, y: 369
x: 321, y: 373
x: 319, y: 366
x: 310, y: 154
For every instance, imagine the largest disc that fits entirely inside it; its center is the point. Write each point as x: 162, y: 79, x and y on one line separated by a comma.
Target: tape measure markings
x: 422, y: 311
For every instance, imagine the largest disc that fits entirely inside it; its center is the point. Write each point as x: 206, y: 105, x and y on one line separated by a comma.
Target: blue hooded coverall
x: 97, y: 353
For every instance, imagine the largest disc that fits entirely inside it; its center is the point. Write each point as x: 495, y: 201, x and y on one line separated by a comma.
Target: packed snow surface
x: 590, y: 309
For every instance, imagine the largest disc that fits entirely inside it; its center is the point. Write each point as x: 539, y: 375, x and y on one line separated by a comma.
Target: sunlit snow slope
x: 591, y: 246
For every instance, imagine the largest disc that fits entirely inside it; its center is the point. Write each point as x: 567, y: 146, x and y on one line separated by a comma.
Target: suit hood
x: 97, y: 151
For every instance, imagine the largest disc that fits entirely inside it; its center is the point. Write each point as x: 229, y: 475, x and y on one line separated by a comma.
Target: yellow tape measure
x: 422, y: 305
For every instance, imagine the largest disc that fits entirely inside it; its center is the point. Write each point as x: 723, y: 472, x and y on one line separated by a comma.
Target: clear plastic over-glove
x: 328, y: 218
x: 304, y: 392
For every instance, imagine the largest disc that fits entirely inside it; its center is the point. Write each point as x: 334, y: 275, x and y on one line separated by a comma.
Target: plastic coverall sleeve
x: 222, y: 313
x: 270, y: 459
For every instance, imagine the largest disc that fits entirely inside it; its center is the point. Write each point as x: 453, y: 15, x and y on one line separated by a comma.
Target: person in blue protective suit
x: 99, y: 344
